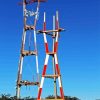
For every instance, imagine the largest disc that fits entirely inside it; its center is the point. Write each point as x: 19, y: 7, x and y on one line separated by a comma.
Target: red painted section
x: 44, y: 26
x: 44, y: 70
x: 46, y: 47
x: 57, y: 68
x: 55, y: 46
x: 39, y: 94
x: 61, y: 92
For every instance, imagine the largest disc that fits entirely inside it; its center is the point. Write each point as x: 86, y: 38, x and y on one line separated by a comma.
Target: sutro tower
x: 56, y: 75
x: 24, y: 52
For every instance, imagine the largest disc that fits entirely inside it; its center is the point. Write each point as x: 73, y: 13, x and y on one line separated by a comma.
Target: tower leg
x: 37, y: 66
x: 18, y: 92
x: 24, y: 51
x: 54, y: 69
x: 55, y: 84
x: 59, y: 78
x: 42, y: 80
x: 19, y: 77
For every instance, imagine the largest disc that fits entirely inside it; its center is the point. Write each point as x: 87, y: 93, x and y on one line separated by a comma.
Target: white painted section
x: 35, y: 36
x: 44, y: 17
x: 42, y: 81
x: 45, y: 39
x: 57, y: 15
x: 21, y: 65
x: 56, y: 60
x: 36, y: 50
x: 37, y: 66
x: 46, y: 59
x: 57, y: 36
x: 18, y: 93
x: 24, y: 33
x: 24, y: 37
x: 53, y: 24
x: 59, y: 80
x: 57, y: 21
x: 36, y: 16
x: 37, y: 12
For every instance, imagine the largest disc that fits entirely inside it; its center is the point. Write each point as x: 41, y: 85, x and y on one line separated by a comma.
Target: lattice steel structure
x: 56, y: 69
x: 27, y: 13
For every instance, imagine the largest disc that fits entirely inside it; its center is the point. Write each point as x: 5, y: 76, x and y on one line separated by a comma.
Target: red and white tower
x: 28, y: 52
x: 56, y: 75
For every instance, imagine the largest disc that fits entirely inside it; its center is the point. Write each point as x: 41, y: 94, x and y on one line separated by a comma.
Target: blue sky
x: 79, y: 46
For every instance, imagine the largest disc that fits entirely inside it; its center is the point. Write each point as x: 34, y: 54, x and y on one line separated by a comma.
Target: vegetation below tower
x: 9, y: 97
